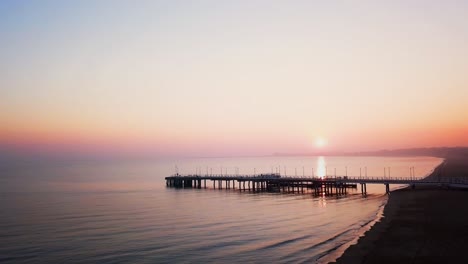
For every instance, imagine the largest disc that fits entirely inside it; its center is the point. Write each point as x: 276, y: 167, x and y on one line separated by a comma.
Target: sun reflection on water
x: 321, y: 167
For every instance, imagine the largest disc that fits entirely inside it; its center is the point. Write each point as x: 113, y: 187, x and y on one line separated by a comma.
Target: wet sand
x: 425, y: 225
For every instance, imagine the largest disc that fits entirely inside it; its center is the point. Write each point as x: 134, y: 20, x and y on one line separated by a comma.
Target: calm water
x: 122, y: 212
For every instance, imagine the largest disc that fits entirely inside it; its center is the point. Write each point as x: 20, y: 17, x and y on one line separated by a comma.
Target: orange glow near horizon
x: 200, y: 145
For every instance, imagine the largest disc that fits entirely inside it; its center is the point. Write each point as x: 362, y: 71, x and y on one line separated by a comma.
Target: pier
x: 274, y: 182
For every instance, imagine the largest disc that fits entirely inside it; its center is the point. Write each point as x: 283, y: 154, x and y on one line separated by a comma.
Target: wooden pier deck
x: 274, y: 182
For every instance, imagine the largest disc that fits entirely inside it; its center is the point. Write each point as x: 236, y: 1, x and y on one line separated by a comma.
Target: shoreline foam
x: 339, y: 251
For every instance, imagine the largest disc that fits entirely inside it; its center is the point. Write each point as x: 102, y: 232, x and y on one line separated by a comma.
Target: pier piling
x: 276, y: 183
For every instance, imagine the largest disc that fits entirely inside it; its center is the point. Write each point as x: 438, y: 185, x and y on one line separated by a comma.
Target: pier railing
x: 324, y: 184
x: 299, y: 178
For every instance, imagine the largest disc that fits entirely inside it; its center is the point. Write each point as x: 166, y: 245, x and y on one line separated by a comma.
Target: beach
x: 422, y: 225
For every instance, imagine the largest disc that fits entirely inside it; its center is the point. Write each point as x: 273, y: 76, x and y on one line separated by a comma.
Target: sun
x: 321, y: 142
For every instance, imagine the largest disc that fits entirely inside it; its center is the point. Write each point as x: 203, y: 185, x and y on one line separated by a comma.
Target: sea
x: 120, y: 211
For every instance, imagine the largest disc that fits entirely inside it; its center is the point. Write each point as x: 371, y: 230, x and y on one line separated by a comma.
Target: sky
x: 225, y: 78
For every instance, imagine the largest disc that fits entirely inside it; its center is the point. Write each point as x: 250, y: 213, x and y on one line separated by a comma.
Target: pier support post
x: 363, y: 189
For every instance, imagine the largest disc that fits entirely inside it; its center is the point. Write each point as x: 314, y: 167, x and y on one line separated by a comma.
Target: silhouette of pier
x: 274, y: 182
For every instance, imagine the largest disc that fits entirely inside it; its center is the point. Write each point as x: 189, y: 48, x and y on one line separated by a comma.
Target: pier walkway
x: 318, y: 185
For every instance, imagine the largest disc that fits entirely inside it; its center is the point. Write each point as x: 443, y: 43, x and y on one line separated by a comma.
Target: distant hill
x: 435, y: 152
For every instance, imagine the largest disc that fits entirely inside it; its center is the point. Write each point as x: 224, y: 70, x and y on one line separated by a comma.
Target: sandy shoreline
x: 427, y: 225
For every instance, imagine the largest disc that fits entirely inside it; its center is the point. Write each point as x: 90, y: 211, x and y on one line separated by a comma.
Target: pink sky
x: 223, y: 78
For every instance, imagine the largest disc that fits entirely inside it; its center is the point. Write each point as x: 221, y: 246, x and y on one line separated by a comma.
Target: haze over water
x: 122, y: 212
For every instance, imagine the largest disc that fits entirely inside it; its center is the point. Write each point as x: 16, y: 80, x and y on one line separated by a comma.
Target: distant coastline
x: 440, y: 152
